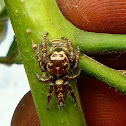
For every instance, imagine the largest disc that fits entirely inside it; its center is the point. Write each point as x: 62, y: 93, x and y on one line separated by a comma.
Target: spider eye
x: 54, y: 55
x: 64, y: 60
x: 61, y: 55
x: 65, y: 66
x: 50, y: 66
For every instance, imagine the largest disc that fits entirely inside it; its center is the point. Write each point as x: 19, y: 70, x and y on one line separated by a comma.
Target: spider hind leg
x: 71, y: 92
x: 49, y: 95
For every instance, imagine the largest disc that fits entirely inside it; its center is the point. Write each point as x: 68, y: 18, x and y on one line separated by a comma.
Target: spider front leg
x: 74, y: 59
x: 71, y: 49
x: 77, y: 58
x: 44, y: 80
x: 42, y: 60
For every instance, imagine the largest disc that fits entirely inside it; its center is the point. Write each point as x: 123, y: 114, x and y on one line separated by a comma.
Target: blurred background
x: 13, y: 80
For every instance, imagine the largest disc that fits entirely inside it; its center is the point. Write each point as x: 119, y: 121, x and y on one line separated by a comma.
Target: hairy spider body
x: 58, y: 65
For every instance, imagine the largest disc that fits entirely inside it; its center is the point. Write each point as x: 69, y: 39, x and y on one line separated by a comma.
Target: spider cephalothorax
x: 58, y: 65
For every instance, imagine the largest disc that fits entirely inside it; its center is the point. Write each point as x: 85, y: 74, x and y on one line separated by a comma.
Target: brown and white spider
x: 59, y: 66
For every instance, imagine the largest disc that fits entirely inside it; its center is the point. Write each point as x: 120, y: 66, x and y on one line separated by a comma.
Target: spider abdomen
x: 60, y: 91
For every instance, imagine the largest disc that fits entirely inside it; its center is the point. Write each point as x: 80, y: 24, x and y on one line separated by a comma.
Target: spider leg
x: 39, y: 58
x: 49, y: 95
x: 44, y: 50
x: 70, y: 91
x: 71, y: 49
x: 69, y: 78
x: 77, y: 58
x: 44, y: 80
x: 42, y: 60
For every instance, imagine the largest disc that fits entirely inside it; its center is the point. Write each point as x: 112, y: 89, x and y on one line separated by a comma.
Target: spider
x: 58, y: 65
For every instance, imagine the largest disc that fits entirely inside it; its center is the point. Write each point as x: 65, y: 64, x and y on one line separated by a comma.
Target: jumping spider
x: 58, y: 65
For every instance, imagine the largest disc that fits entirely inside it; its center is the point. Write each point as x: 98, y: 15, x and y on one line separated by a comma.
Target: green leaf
x: 13, y: 55
x: 2, y: 29
x: 3, y: 14
x: 2, y: 5
x: 13, y: 50
x: 3, y: 19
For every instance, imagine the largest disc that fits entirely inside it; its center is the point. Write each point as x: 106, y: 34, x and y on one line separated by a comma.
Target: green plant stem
x: 100, y: 43
x: 103, y: 73
x: 10, y: 60
x: 5, y: 60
